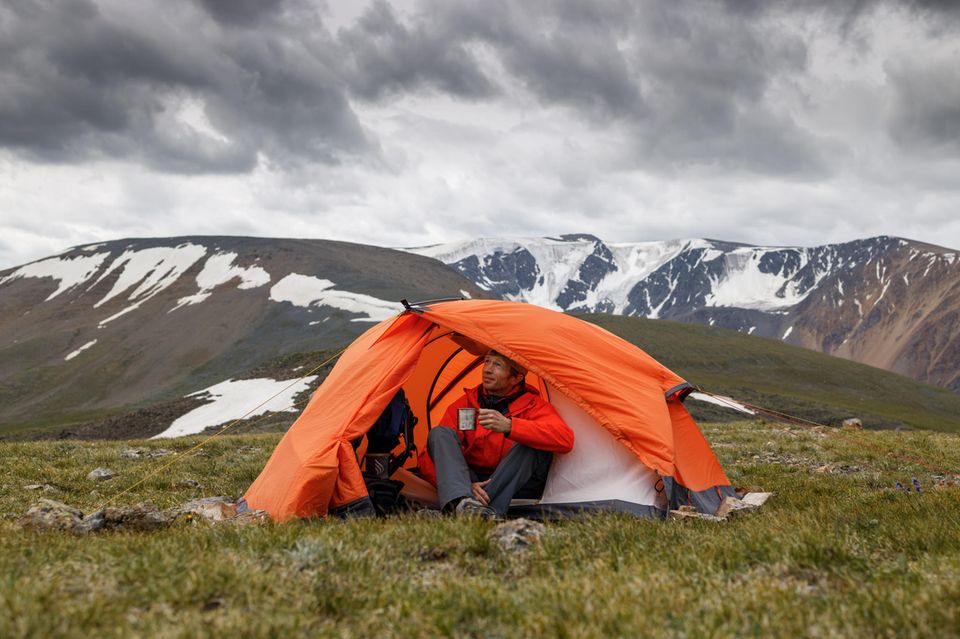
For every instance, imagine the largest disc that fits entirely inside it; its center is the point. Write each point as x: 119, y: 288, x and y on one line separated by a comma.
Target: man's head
x: 500, y: 374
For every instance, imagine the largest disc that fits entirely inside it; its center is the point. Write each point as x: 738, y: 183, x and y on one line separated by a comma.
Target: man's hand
x: 493, y: 420
x: 477, y: 488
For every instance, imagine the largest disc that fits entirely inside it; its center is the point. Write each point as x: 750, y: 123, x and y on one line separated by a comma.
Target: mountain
x: 884, y: 301
x: 116, y: 326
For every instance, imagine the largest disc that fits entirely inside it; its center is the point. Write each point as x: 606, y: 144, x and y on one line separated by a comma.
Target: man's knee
x: 441, y: 434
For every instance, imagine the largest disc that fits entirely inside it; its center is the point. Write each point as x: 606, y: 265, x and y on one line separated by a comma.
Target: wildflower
x: 916, y: 484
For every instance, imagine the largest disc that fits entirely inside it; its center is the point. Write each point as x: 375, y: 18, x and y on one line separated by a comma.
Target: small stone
x: 101, y: 474
x: 756, y: 498
x: 212, y: 509
x: 140, y: 453
x: 250, y: 518
x: 517, y: 534
x: 189, y: 483
x: 691, y: 513
x: 47, y: 488
x: 249, y: 450
x: 852, y: 424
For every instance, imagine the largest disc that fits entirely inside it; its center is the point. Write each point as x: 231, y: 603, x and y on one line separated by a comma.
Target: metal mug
x: 467, y: 419
x: 378, y: 465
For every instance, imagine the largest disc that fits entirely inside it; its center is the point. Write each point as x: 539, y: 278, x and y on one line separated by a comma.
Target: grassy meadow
x: 838, y: 551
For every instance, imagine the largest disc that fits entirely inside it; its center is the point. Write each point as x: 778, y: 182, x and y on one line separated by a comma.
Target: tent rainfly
x: 637, y: 449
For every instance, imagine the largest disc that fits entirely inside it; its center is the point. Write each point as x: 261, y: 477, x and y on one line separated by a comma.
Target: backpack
x: 395, y: 422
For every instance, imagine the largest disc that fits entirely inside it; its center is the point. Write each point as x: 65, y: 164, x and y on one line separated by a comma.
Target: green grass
x: 786, y: 378
x: 832, y: 554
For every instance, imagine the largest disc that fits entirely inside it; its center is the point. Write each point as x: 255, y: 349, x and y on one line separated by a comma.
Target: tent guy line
x: 806, y: 423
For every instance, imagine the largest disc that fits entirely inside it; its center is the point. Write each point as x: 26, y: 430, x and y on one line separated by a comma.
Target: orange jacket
x: 535, y: 423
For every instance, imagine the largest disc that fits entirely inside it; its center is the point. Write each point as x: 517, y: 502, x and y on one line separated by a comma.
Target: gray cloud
x: 241, y: 12
x: 82, y: 82
x: 688, y: 82
x: 926, y: 108
x: 384, y: 57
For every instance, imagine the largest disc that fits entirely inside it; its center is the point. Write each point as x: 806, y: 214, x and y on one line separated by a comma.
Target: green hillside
x: 755, y: 370
x: 786, y: 378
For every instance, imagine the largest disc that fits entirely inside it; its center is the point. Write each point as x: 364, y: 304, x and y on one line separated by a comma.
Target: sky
x: 770, y: 122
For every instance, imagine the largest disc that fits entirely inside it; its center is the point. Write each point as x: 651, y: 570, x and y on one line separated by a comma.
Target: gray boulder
x: 101, y: 474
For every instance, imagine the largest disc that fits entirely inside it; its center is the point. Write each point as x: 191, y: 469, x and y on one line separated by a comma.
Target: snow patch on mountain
x: 68, y: 271
x: 154, y: 269
x: 79, y: 350
x: 220, y: 269
x: 238, y: 399
x: 557, y: 262
x: 306, y: 291
x: 745, y: 285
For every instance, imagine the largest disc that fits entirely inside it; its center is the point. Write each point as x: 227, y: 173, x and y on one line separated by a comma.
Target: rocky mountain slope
x: 127, y: 323
x: 884, y: 301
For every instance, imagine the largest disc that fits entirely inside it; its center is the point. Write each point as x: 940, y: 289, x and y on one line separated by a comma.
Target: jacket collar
x: 519, y: 404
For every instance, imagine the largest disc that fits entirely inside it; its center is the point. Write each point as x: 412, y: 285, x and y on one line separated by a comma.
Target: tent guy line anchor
x: 179, y: 456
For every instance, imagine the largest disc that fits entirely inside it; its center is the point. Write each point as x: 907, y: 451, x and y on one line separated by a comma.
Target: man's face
x: 498, y: 377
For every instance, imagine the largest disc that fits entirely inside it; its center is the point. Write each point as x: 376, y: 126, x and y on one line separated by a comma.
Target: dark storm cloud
x: 686, y: 81
x: 83, y: 81
x: 384, y: 57
x: 682, y: 83
x: 243, y: 12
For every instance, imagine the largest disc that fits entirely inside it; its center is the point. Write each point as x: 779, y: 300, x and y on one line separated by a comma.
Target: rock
x: 189, y: 483
x: 837, y: 469
x: 47, y: 488
x: 212, y: 509
x: 517, y: 534
x: 140, y: 453
x: 730, y: 505
x: 143, y: 516
x: 688, y: 512
x: 101, y: 474
x: 250, y: 518
x: 852, y: 424
x: 48, y: 514
x: 249, y: 450
x: 756, y: 498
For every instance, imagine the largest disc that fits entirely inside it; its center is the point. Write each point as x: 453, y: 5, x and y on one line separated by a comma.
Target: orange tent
x: 637, y: 448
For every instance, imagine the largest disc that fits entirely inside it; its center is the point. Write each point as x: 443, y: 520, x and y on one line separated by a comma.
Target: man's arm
x: 542, y: 428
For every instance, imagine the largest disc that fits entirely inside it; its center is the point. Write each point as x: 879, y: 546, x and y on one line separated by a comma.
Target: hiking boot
x: 470, y: 507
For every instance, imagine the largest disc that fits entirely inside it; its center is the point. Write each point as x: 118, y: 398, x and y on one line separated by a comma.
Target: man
x: 508, y: 455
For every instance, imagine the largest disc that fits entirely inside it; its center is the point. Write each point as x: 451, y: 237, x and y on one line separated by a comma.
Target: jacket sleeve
x: 449, y: 420
x: 542, y: 428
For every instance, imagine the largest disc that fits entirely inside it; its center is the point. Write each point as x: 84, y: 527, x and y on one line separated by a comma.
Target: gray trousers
x: 521, y: 473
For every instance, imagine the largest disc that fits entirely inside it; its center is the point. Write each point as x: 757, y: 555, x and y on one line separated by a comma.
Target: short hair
x: 517, y: 369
